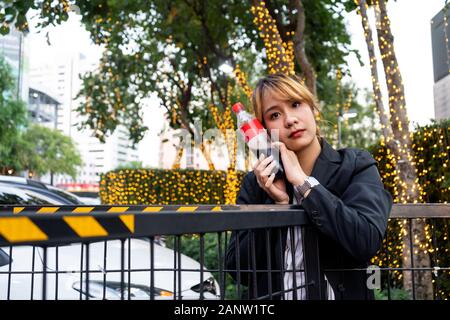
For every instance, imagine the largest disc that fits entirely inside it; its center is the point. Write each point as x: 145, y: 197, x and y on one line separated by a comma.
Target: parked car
x: 44, y: 189
x: 21, y: 274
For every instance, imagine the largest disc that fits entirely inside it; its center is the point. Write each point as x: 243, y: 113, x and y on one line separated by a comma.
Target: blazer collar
x: 326, y: 164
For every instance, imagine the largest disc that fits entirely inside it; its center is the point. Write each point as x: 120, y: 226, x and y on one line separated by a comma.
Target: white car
x: 72, y: 285
x: 21, y: 277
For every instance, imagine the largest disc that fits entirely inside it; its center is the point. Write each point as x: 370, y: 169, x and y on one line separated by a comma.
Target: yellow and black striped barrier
x: 62, y: 224
x: 25, y: 224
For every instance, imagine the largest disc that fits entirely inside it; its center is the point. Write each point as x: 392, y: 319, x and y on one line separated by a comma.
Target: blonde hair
x: 289, y: 87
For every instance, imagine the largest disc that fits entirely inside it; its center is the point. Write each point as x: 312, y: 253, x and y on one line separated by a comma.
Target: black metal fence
x: 176, y: 252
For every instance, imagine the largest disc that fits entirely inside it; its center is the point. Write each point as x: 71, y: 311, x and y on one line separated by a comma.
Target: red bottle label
x: 252, y: 129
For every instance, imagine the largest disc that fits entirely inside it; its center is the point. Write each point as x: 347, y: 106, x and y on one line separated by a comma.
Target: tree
x: 13, y: 120
x: 49, y: 150
x: 398, y: 139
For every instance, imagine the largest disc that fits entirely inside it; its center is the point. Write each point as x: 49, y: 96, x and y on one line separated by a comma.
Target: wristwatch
x: 310, y: 182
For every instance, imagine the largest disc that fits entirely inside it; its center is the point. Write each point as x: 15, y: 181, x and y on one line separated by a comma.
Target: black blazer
x: 350, y: 208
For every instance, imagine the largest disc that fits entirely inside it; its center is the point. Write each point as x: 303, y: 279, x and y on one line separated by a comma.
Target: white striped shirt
x: 299, y: 265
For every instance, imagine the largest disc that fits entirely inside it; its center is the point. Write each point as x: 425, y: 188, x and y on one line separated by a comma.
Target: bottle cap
x: 237, y: 107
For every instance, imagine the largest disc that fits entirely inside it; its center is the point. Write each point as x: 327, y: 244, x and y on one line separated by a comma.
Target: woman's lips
x: 297, y: 134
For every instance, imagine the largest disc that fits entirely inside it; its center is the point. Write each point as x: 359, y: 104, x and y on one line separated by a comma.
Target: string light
x: 165, y: 187
x: 431, y: 151
x: 279, y: 57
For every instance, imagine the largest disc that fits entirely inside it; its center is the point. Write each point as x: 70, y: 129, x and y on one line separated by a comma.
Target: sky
x: 410, y: 24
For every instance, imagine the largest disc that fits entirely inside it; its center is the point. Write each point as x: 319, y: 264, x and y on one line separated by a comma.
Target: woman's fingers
x: 263, y: 164
x: 269, y: 181
x: 268, y: 169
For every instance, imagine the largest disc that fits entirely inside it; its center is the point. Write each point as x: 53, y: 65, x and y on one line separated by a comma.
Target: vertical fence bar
x: 221, y: 267
x: 44, y: 273
x: 436, y: 262
x: 129, y: 269
x: 122, y: 269
x: 293, y: 253
x: 313, y: 274
x: 81, y: 272
x: 32, y: 271
x: 388, y: 269
x: 254, y: 267
x: 152, y: 268
x: 282, y: 263
x: 8, y: 294
x: 269, y: 263
x: 57, y: 271
x: 105, y: 252
x: 179, y: 267
x: 202, y: 264
x: 87, y: 271
x: 238, y: 265
x: 411, y: 243
x: 175, y: 248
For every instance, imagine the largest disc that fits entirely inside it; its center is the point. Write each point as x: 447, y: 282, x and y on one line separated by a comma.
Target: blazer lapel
x: 326, y: 164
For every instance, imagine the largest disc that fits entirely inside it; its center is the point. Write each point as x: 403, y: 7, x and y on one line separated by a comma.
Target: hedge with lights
x: 155, y: 186
x: 431, y: 146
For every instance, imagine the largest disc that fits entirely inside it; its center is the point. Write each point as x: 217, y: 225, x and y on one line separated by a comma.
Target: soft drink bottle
x: 256, y: 137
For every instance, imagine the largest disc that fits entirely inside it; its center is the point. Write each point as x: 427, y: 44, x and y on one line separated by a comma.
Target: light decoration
x: 278, y: 56
x: 242, y: 81
x: 166, y: 187
x: 400, y: 192
x: 338, y: 100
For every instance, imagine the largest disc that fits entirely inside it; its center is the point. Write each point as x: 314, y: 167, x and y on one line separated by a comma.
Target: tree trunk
x: 406, y: 170
x: 176, y: 163
x: 278, y: 60
x: 384, y: 119
x: 299, y: 49
x: 206, y: 152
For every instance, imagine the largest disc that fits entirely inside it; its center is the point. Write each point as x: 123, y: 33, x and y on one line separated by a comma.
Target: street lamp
x: 342, y: 116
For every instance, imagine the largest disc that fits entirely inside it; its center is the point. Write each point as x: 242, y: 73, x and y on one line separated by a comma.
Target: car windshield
x: 67, y: 195
x: 13, y: 196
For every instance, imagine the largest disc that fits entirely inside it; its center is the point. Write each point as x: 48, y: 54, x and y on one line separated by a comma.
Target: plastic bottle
x: 256, y: 137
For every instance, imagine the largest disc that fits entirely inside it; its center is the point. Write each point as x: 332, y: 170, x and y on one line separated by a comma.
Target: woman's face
x: 294, y: 120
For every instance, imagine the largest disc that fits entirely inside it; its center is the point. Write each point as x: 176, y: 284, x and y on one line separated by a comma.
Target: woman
x: 341, y: 192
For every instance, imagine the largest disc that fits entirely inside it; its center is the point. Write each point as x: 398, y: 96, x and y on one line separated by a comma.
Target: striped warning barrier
x: 55, y: 224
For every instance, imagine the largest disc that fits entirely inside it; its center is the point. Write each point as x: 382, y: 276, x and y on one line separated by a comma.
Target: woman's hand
x: 275, y: 189
x: 292, y: 168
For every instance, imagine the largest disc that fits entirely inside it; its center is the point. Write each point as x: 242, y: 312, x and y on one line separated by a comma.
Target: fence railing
x: 177, y: 252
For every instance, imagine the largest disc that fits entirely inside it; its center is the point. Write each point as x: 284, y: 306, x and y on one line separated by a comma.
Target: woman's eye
x: 274, y: 115
x: 296, y: 104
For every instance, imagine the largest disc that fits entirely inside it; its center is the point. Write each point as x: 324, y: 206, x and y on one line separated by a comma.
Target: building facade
x: 59, y: 76
x: 440, y: 32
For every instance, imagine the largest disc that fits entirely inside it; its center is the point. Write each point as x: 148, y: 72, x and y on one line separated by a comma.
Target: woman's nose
x: 291, y: 120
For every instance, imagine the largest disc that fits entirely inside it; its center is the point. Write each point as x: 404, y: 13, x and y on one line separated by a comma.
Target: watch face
x: 312, y: 181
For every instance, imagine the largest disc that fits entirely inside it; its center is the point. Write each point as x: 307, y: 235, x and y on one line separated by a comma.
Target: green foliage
x: 50, y: 150
x: 156, y: 186
x: 393, y: 294
x: 359, y: 132
x: 175, y: 48
x: 130, y: 165
x: 13, y: 120
x: 431, y: 145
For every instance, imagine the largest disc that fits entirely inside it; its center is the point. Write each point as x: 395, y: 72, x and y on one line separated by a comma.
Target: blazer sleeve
x: 358, y: 219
